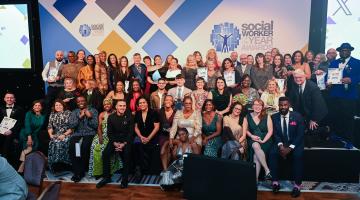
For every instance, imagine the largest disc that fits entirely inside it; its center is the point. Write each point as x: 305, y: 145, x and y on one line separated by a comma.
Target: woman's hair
x: 41, y: 102
x: 201, y: 62
x: 131, y: 90
x: 127, y: 70
x: 223, y: 79
x: 245, y: 76
x: 281, y: 60
x: 322, y: 57
x: 147, y: 58
x: 263, y: 110
x: 306, y: 53
x: 227, y: 134
x: 143, y: 97
x: 59, y: 101
x: 235, y: 104
x: 93, y: 57
x: 204, y: 105
x: 107, y: 101
x: 223, y: 63
x: 277, y: 93
x: 166, y: 64
x: 116, y: 61
x: 182, y: 129
x: 187, y: 97
x: 259, y: 55
x: 187, y: 59
x: 301, y: 54
x: 203, y: 80
x: 115, y: 91
x: 172, y: 98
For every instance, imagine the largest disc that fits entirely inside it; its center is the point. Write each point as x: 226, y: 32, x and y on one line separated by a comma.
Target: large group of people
x: 103, y: 114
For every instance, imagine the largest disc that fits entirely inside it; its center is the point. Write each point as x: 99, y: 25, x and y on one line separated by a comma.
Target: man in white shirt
x: 51, y: 77
x: 244, y: 67
x: 179, y: 92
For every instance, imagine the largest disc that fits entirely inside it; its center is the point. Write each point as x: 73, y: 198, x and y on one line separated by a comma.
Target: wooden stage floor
x: 82, y: 191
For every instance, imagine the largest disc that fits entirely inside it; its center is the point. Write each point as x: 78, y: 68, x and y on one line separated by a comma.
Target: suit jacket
x: 95, y: 100
x: 247, y: 70
x: 353, y: 72
x: 312, y: 101
x: 173, y: 92
x: 16, y: 113
x: 296, y: 129
x: 141, y: 76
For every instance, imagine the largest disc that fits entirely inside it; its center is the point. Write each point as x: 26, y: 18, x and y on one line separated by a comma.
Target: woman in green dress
x: 99, y: 143
x: 29, y: 135
x: 259, y: 129
x: 211, y: 129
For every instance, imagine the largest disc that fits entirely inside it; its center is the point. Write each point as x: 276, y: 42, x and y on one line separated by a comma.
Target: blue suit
x: 141, y: 76
x: 296, y: 129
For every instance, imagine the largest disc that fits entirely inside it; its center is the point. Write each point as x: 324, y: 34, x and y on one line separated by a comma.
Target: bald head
x: 234, y: 56
x: 59, y: 55
x: 243, y: 59
x: 331, y: 54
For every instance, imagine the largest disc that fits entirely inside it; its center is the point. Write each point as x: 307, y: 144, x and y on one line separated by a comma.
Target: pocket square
x: 293, y: 123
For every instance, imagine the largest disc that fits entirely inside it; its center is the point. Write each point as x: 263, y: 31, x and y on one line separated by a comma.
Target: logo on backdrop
x: 85, y: 30
x: 225, y: 37
x: 257, y: 36
x: 93, y: 29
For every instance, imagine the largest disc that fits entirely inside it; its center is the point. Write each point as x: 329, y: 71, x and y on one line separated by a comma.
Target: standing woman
x: 29, y: 135
x: 113, y: 70
x: 211, y: 129
x: 221, y: 97
x: 212, y: 56
x: 199, y: 59
x: 250, y: 60
x: 280, y: 71
x: 171, y: 74
x: 59, y: 133
x: 199, y: 95
x: 299, y: 63
x: 166, y: 117
x: 118, y: 93
x: 99, y: 143
x: 153, y: 75
x: 260, y: 73
x: 190, y: 119
x: 86, y: 73
x: 134, y: 93
x: 212, y: 74
x: 147, y: 125
x: 259, y: 129
x: 228, y: 69
x: 288, y: 61
x: 124, y: 73
x: 189, y: 72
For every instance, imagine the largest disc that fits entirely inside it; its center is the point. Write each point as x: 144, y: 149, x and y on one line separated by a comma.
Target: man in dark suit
x: 234, y: 59
x: 307, y: 100
x: 138, y: 69
x: 9, y: 141
x: 93, y: 96
x: 288, y: 131
x: 345, y: 96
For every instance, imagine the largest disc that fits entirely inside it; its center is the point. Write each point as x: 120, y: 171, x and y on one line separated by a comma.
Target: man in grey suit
x: 243, y: 68
x: 234, y: 59
x: 179, y: 92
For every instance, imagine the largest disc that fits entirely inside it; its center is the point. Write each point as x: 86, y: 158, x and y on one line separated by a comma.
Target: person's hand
x: 192, y: 140
x: 142, y: 139
x: 100, y: 140
x: 8, y: 132
x: 261, y: 141
x: 57, y: 78
x: 313, y: 125
x: 52, y: 137
x: 147, y: 140
x: 205, y: 141
x: 116, y: 144
x: 282, y: 151
x: 319, y: 72
x: 82, y: 114
x: 242, y: 150
x: 346, y: 80
x: 88, y: 113
x: 241, y: 140
x: 29, y: 142
x: 171, y: 143
x: 255, y: 138
x: 66, y: 100
x: 289, y: 73
x: 61, y: 137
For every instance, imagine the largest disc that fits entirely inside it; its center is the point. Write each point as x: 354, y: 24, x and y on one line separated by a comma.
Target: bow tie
x: 9, y: 107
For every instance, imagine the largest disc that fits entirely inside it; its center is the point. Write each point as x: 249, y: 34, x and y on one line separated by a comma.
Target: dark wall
x: 27, y: 85
x: 317, y: 33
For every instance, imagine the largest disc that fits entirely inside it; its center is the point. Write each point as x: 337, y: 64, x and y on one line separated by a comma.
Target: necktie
x: 179, y: 94
x: 9, y: 107
x: 285, y: 131
x: 301, y: 102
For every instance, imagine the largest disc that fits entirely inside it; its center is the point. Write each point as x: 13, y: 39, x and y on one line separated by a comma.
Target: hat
x: 345, y: 46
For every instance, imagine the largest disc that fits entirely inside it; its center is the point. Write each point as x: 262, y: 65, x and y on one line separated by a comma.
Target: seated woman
x: 199, y: 95
x: 190, y: 119
x: 166, y: 117
x: 211, y: 129
x: 59, y: 133
x: 29, y: 135
x: 99, y: 143
x: 271, y: 97
x: 245, y: 94
x: 231, y: 149
x: 118, y: 93
x: 147, y: 125
x: 172, y: 177
x: 69, y: 93
x: 221, y: 97
x: 234, y: 121
x: 258, y: 127
x: 134, y: 93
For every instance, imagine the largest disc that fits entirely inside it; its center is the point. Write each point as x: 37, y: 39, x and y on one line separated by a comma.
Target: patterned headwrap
x: 107, y: 100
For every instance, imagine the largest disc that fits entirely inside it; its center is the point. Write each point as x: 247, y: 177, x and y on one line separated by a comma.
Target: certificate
x: 320, y: 79
x: 202, y: 72
x: 335, y: 75
x: 281, y: 83
x: 6, y: 124
x: 229, y: 78
x: 127, y: 83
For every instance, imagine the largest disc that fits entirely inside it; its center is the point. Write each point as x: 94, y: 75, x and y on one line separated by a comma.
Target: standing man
x: 138, y: 70
x: 9, y: 141
x: 84, y: 122
x: 70, y: 70
x: 179, y: 92
x: 51, y: 77
x: 289, y: 144
x: 234, y: 59
x: 244, y: 67
x: 344, y: 96
x: 120, y: 127
x: 158, y: 96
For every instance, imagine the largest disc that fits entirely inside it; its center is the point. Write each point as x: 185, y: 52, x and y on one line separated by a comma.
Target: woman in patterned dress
x: 199, y: 95
x: 99, y: 143
x: 59, y: 133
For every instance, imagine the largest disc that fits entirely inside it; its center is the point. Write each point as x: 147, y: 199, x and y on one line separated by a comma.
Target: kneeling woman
x: 172, y: 177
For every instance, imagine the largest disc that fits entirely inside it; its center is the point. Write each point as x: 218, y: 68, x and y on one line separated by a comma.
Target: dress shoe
x: 275, y: 188
x: 295, y: 192
x: 268, y: 176
x: 103, y: 182
x: 124, y: 184
x: 76, y: 178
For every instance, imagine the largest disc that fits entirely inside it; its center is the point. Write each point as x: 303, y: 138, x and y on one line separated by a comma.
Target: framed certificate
x: 202, y: 72
x: 6, y: 124
x: 281, y: 83
x: 335, y: 75
x: 229, y: 78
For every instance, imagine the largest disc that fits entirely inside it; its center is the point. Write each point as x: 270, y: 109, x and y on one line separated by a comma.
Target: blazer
x: 141, y: 76
x: 17, y: 113
x: 95, y: 100
x: 247, y: 70
x: 173, y: 92
x: 314, y: 104
x: 352, y: 70
x: 296, y: 129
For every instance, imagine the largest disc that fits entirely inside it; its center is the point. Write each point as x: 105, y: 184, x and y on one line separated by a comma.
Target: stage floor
x: 80, y: 191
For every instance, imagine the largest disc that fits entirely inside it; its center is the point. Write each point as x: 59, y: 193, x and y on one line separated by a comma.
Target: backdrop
x: 176, y: 27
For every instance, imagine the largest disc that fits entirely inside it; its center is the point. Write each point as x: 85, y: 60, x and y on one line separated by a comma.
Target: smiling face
x: 136, y: 86
x: 284, y: 107
x: 37, y: 107
x: 277, y: 60
x: 120, y: 107
x: 123, y: 62
x: 168, y: 102
x: 81, y: 102
x: 298, y: 57
x: 68, y: 84
x: 200, y: 84
x: 107, y: 106
x: 258, y: 106
x: 113, y: 60
x: 58, y: 107
x: 237, y: 110
x: 9, y: 99
x: 233, y: 56
x: 220, y: 84
x: 158, y: 60
x: 209, y: 106
x: 183, y: 136
x: 90, y: 60
x: 246, y: 82
x: 143, y: 105
x: 188, y: 104
x: 272, y: 86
